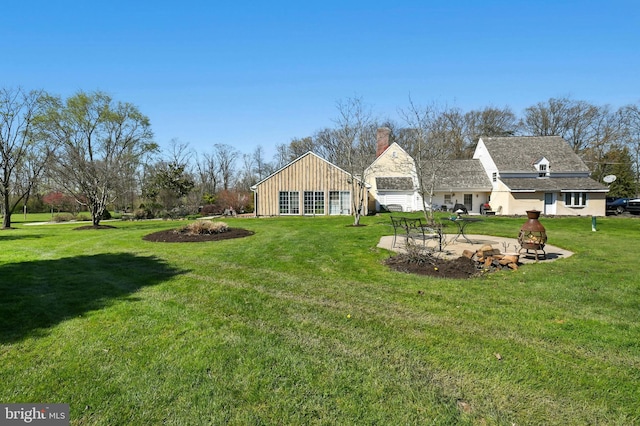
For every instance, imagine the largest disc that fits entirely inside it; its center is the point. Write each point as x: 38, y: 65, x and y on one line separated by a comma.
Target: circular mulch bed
x: 460, y: 268
x: 171, y: 236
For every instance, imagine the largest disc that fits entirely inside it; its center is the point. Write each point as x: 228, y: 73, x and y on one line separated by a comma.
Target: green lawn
x: 301, y: 323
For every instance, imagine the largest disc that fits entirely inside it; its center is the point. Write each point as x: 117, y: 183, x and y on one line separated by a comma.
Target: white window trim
x: 581, y: 196
x: 289, y: 198
x: 314, y: 203
x: 342, y: 196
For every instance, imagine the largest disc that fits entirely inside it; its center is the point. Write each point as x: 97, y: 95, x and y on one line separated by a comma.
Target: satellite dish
x: 609, y: 178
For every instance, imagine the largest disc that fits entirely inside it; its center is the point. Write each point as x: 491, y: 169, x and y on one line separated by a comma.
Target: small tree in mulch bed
x: 418, y: 260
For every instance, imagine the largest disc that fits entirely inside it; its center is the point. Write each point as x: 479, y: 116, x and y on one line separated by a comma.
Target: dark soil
x: 171, y: 236
x: 460, y: 268
x: 84, y: 228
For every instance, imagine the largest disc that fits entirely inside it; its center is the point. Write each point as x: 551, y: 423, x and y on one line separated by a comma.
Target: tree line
x: 93, y: 153
x: 607, y: 139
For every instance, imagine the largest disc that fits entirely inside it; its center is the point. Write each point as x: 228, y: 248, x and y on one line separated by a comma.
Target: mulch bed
x: 86, y: 227
x: 460, y: 268
x: 171, y: 236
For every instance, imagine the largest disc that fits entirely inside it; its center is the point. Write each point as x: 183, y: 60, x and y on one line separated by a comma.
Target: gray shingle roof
x: 462, y: 174
x: 553, y: 184
x: 394, y: 183
x: 519, y: 153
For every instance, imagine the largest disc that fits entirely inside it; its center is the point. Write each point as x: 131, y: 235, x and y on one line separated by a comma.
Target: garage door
x: 402, y: 199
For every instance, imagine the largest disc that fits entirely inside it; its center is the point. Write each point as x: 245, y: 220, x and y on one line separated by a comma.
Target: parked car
x: 633, y: 206
x: 616, y: 205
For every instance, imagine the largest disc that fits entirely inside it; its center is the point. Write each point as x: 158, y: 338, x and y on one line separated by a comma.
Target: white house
x: 541, y: 173
x: 392, y: 178
x: 394, y: 181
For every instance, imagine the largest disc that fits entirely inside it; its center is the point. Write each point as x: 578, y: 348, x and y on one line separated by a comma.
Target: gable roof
x: 520, y: 153
x: 394, y: 147
x: 462, y: 174
x: 286, y: 166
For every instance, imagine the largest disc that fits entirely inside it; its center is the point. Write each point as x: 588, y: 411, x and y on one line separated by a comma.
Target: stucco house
x: 394, y: 181
x: 392, y: 178
x: 309, y: 185
x: 512, y: 174
x: 541, y: 173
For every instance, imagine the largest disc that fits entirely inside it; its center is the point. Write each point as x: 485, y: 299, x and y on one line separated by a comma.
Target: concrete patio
x: 452, y: 249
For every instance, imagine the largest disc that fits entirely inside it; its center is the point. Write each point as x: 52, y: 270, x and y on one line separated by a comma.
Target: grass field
x: 301, y: 323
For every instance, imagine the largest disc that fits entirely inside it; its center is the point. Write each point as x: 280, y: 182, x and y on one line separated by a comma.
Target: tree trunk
x: 96, y: 213
x: 356, y: 219
x: 358, y: 206
x: 6, y: 219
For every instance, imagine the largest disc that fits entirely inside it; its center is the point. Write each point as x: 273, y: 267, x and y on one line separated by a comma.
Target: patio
x: 452, y: 249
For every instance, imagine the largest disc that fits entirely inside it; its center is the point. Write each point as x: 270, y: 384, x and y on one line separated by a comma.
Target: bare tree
x: 572, y: 120
x: 262, y: 168
x: 179, y: 153
x: 298, y: 147
x: 99, y: 141
x: 452, y: 122
x: 606, y: 138
x: 330, y: 146
x: 430, y: 148
x: 207, y: 172
x: 282, y: 156
x: 352, y: 147
x: 489, y: 121
x: 247, y: 174
x: 226, y: 157
x: 23, y: 152
x: 630, y: 116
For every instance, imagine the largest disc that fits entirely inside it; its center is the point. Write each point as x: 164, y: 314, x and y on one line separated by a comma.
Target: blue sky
x: 249, y: 73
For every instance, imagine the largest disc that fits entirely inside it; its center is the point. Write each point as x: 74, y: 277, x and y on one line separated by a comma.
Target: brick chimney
x: 382, y: 137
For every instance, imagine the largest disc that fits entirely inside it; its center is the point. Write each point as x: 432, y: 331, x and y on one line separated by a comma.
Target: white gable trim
x: 254, y: 187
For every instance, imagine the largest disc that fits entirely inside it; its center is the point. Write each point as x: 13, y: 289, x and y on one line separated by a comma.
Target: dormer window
x: 542, y: 166
x: 542, y: 170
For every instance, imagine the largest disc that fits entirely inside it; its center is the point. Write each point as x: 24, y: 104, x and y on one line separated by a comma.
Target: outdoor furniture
x: 459, y: 206
x: 462, y: 223
x: 485, y: 209
x: 415, y: 227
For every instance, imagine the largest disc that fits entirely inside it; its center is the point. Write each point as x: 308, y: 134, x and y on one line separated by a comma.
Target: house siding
x: 518, y: 186
x: 394, y: 162
x: 308, y: 173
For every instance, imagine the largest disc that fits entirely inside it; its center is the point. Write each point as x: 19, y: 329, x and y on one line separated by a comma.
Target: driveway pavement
x: 453, y: 249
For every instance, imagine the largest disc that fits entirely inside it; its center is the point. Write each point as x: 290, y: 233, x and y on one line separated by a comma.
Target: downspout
x: 255, y: 201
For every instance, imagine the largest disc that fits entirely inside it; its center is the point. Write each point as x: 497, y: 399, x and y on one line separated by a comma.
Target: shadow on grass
x: 4, y: 236
x: 40, y: 294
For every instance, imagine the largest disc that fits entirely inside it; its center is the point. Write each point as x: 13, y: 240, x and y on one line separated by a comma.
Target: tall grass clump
x: 203, y: 227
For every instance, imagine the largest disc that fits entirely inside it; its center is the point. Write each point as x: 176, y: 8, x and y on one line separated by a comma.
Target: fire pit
x: 533, y: 236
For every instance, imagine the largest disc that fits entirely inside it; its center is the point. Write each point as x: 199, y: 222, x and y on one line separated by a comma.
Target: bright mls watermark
x: 34, y: 414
